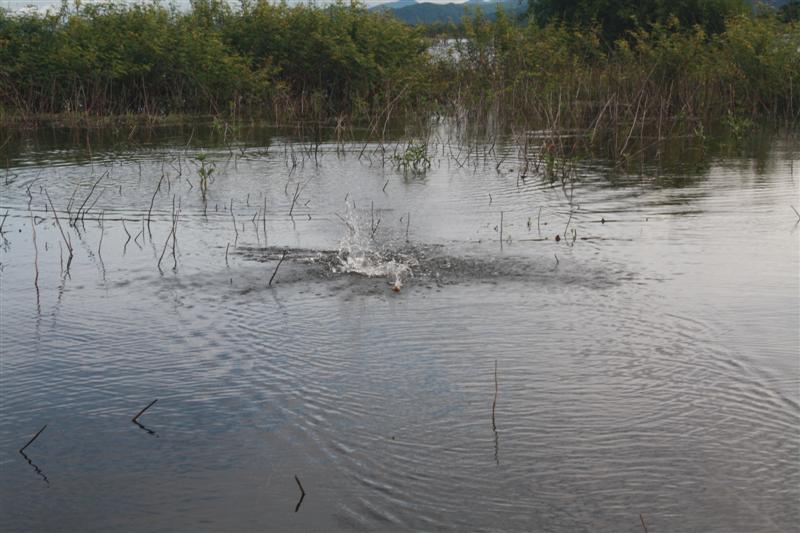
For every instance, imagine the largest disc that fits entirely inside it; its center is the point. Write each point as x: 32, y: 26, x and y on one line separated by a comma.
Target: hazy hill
x: 412, y: 12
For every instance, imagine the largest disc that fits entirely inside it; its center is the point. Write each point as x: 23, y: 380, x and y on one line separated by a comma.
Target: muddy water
x: 647, y: 362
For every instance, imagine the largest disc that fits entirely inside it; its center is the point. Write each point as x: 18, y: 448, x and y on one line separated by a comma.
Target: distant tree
x: 616, y: 17
x: 790, y: 11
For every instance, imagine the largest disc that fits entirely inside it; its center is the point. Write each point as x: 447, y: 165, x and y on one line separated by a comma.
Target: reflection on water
x: 645, y: 363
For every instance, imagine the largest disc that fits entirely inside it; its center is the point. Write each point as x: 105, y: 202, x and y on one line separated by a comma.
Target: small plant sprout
x: 204, y: 172
x: 414, y: 159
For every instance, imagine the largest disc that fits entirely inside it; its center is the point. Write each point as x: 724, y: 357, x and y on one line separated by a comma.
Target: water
x: 646, y: 363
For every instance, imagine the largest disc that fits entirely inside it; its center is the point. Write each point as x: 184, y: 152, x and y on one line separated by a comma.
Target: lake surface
x: 646, y: 363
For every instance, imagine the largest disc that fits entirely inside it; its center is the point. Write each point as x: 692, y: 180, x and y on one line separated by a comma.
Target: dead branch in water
x: 152, y: 201
x: 302, y: 493
x: 33, y: 439
x: 283, y: 256
x: 91, y: 191
x: 140, y: 413
x: 494, y: 403
x: 643, y: 524
x: 58, y: 222
x: 294, y: 198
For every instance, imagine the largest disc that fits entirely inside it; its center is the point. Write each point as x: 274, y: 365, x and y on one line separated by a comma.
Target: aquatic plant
x: 414, y: 158
x: 204, y: 172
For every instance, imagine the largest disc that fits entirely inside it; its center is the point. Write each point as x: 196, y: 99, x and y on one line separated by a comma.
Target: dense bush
x: 342, y: 61
x: 145, y: 58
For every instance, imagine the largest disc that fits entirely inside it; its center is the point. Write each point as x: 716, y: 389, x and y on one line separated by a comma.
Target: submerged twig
x: 793, y: 209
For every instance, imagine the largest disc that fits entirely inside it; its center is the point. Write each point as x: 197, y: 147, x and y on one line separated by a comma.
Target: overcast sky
x: 16, y: 4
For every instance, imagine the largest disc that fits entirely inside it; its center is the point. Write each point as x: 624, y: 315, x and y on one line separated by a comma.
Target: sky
x: 42, y: 4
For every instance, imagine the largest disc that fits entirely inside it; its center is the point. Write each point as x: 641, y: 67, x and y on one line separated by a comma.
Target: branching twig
x: 302, y: 493
x: 135, y: 418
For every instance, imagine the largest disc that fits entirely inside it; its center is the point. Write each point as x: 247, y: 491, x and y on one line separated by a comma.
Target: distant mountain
x: 390, y: 6
x: 413, y: 13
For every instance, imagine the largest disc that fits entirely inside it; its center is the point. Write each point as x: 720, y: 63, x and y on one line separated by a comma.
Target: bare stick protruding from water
x: 2, y: 223
x: 494, y: 403
x: 33, y: 438
x: 264, y: 220
x: 408, y: 223
x: 538, y: 222
x: 501, y: 228
x: 302, y: 493
x: 100, y: 244
x: 236, y: 231
x: 136, y: 418
x: 152, y: 201
x: 226, y: 254
x: 58, y: 223
x: 641, y: 517
x: 91, y: 191
x: 294, y: 199
x: 170, y: 235
x: 793, y: 209
x: 35, y: 257
x: 283, y: 256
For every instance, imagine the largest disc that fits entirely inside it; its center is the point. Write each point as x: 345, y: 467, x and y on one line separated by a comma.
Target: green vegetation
x: 618, y: 17
x: 616, y: 75
x: 273, y: 60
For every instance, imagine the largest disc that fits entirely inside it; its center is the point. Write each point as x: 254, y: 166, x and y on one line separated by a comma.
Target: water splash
x: 359, y: 253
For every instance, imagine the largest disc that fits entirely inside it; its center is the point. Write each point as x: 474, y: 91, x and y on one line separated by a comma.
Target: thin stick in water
x: 135, y: 418
x: 538, y: 220
x: 234, y: 224
x: 302, y: 493
x: 643, y: 524
x: 294, y: 199
x: 33, y: 439
x: 264, y: 220
x: 152, y: 201
x: 283, y: 256
x: 58, y: 222
x: 494, y: 403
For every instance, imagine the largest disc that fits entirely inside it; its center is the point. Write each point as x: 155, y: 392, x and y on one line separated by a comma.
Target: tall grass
x: 341, y: 63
